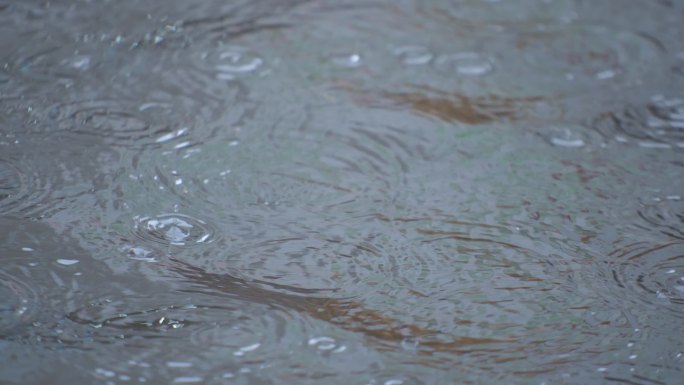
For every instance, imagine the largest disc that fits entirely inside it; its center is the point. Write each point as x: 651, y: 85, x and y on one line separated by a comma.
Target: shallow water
x: 323, y: 192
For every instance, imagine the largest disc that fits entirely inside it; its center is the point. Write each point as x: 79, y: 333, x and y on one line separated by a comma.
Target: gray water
x: 342, y: 192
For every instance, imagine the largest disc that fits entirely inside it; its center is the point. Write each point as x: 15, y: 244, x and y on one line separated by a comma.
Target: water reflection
x: 471, y: 110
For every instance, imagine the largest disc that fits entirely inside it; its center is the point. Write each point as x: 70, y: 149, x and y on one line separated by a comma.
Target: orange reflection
x: 455, y: 107
x: 346, y: 314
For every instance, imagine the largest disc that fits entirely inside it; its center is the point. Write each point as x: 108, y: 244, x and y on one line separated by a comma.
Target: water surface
x: 324, y: 192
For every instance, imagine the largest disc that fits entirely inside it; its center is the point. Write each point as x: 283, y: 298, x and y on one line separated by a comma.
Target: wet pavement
x: 324, y: 192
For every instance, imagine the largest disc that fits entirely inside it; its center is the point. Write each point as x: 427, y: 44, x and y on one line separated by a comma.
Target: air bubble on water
x: 26, y: 249
x: 564, y: 136
x: 238, y: 62
x: 645, y: 144
x: 105, y: 372
x: 466, y: 63
x: 139, y: 254
x: 80, y: 62
x: 246, y: 349
x: 179, y: 364
x: 349, y: 61
x: 413, y: 55
x: 394, y: 382
x: 317, y: 340
x: 188, y: 380
x: 68, y: 262
x: 604, y: 75
x: 171, y: 135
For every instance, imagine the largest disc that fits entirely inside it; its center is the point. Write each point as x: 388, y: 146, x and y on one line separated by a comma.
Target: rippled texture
x: 322, y: 192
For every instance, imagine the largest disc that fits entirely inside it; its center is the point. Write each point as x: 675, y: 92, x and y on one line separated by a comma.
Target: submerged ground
x: 341, y: 192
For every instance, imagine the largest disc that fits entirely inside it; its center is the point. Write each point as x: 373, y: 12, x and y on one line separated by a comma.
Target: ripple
x: 658, y: 124
x: 666, y: 216
x: 47, y: 63
x: 349, y: 150
x: 588, y: 54
x: 117, y: 122
x: 211, y: 74
x: 650, y: 274
x: 18, y: 303
x: 55, y: 60
x: 220, y: 21
x: 20, y: 190
x: 214, y: 322
x: 174, y: 229
x: 110, y: 317
x: 492, y: 13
